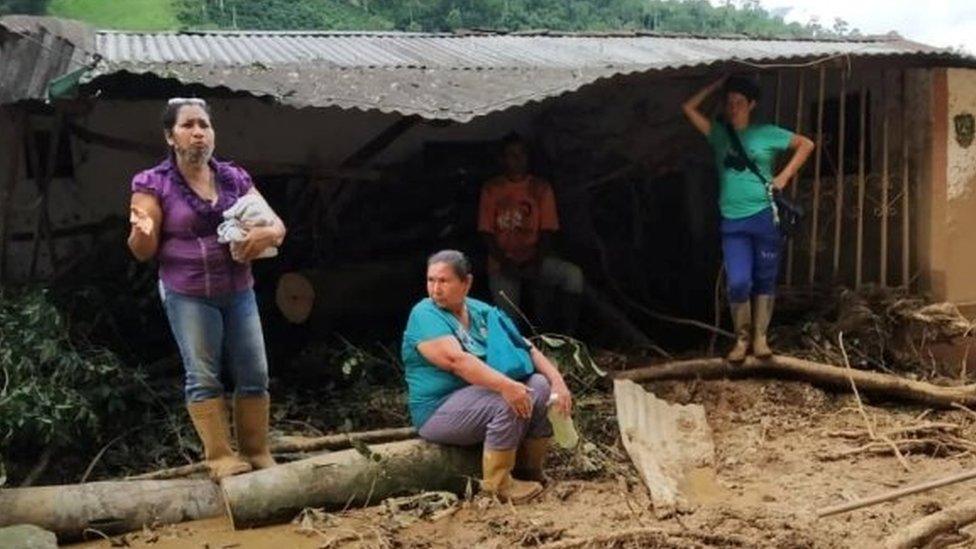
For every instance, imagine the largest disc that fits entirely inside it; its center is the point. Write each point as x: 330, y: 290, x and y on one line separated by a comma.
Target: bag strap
x: 741, y: 151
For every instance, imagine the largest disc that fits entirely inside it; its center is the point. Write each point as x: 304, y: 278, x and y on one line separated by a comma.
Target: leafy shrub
x: 54, y: 393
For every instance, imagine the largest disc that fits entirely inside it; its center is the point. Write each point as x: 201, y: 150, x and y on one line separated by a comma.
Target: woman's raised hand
x: 140, y: 219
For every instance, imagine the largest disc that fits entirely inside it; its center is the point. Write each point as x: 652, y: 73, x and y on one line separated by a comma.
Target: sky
x: 946, y: 23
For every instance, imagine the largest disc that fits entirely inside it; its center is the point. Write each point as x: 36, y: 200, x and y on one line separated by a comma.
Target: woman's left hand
x: 780, y: 182
x: 564, y: 402
x: 256, y: 240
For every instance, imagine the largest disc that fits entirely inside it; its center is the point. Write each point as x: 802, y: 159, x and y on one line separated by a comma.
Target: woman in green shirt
x: 751, y: 241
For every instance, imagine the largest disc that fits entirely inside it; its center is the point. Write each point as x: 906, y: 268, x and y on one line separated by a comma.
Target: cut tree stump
x: 109, y: 507
x: 355, y: 477
x: 361, y: 290
x: 665, y: 441
x: 836, y: 377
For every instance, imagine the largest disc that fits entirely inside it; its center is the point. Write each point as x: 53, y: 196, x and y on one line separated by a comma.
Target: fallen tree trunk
x: 921, y: 531
x: 297, y: 444
x: 824, y: 374
x: 354, y: 477
x: 109, y: 507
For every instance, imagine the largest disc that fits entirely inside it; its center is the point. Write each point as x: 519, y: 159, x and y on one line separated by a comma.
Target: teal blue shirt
x: 741, y: 193
x: 428, y: 386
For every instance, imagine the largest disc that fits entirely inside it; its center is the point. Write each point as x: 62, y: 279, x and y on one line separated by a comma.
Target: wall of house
x: 625, y: 164
x: 961, y: 190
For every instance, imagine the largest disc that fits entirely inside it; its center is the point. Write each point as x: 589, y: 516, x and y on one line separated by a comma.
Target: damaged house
x: 373, y: 146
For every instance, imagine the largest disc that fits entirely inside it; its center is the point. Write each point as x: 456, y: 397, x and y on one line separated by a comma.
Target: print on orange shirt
x: 514, y: 211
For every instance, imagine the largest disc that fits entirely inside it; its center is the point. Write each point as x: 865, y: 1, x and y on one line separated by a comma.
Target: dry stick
x: 839, y: 198
x: 864, y: 414
x: 964, y: 409
x: 329, y: 442
x: 905, y: 229
x: 796, y: 178
x: 885, y: 385
x: 862, y: 130
x: 895, y: 494
x: 883, y: 277
x: 817, y: 166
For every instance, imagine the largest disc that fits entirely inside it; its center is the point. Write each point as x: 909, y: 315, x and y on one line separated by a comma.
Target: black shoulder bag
x: 787, y: 214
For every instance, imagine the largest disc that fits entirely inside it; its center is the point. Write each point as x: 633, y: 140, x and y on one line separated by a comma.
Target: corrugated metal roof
x: 36, y: 50
x: 438, y: 76
x: 442, y: 76
x: 448, y: 51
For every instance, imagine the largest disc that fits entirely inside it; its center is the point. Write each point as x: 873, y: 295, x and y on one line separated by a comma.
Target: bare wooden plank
x: 817, y: 167
x: 885, y: 181
x: 862, y: 130
x: 839, y: 198
x: 906, y: 248
x: 796, y: 179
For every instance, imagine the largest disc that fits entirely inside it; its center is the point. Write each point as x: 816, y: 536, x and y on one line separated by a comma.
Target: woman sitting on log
x: 206, y: 286
x: 473, y: 379
x: 751, y: 241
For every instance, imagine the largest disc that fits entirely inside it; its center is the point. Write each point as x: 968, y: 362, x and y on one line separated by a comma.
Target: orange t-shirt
x: 514, y: 211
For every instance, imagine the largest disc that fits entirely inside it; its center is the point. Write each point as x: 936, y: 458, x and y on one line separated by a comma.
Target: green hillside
x: 119, y: 14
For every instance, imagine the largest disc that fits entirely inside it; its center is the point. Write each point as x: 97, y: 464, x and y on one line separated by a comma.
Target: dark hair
x: 457, y: 260
x: 172, y: 110
x: 743, y: 85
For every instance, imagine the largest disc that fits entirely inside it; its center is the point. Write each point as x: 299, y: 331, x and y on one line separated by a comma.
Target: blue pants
x: 212, y: 332
x: 475, y: 414
x: 751, y: 248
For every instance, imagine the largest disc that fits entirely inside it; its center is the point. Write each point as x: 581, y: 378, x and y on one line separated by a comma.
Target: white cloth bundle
x: 249, y: 210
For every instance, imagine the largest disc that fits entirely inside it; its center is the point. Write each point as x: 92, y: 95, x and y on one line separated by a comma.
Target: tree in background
x: 32, y: 7
x: 690, y: 16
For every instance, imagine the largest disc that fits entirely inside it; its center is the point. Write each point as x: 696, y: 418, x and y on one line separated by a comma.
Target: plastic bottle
x: 563, y: 431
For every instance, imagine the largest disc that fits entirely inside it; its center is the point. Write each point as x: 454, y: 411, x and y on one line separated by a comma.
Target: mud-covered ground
x: 774, y: 468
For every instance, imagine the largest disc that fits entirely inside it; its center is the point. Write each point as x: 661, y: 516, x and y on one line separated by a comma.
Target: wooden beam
x: 380, y: 142
x: 885, y: 182
x: 796, y: 179
x: 906, y: 249
x: 14, y: 160
x: 862, y: 131
x: 839, y: 198
x: 817, y: 166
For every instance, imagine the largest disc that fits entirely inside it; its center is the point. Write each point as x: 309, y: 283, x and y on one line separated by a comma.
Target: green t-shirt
x: 428, y: 386
x: 741, y: 193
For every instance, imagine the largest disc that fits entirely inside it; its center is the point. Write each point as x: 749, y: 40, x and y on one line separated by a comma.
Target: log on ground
x: 109, y: 507
x: 355, y: 477
x: 921, y: 531
x: 836, y: 377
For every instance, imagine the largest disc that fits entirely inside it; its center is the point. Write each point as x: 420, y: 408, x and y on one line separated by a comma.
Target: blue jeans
x: 214, y: 332
x: 751, y: 249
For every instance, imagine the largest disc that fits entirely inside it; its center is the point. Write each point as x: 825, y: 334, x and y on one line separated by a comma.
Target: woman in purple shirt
x: 206, y: 286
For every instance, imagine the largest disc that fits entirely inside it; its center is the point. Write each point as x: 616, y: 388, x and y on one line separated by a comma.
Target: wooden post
x: 818, y: 161
x: 796, y: 178
x: 42, y: 179
x: 906, y: 249
x: 862, y: 130
x: 779, y: 97
x: 839, y: 199
x: 883, y: 277
x: 16, y: 146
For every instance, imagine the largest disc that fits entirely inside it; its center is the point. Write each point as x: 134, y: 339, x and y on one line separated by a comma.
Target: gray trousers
x: 474, y: 414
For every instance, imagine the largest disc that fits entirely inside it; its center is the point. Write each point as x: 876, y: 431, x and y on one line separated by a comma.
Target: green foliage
x: 277, y: 15
x: 691, y: 16
x: 31, y: 7
x: 54, y: 394
x: 147, y: 15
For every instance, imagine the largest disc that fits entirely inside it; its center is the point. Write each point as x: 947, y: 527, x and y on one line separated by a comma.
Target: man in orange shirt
x: 517, y: 217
